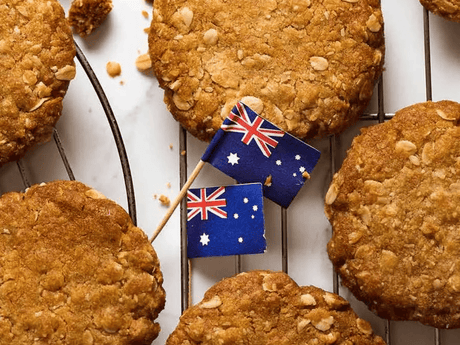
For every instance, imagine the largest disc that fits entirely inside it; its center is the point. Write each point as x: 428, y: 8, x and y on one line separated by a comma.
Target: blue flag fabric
x: 251, y: 149
x: 225, y: 221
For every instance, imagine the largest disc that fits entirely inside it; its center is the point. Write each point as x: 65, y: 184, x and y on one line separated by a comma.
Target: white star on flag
x: 204, y: 239
x: 233, y: 158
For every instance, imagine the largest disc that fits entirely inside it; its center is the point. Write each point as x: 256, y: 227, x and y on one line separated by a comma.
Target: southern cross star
x: 204, y: 239
x: 233, y: 158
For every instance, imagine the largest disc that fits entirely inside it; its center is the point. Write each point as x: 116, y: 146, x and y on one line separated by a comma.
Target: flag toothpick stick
x: 178, y: 199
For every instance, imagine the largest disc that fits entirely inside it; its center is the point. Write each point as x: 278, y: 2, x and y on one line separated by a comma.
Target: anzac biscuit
x: 394, y: 207
x: 85, y: 16
x: 36, y: 65
x: 75, y: 270
x: 448, y: 9
x: 264, y: 307
x: 307, y: 66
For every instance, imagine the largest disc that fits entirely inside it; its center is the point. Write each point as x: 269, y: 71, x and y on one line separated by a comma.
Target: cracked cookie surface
x: 266, y: 307
x: 448, y: 9
x: 308, y: 66
x: 75, y: 270
x: 36, y: 65
x: 395, y: 214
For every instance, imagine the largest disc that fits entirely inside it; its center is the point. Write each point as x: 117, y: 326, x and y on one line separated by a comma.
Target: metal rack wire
x: 335, y: 161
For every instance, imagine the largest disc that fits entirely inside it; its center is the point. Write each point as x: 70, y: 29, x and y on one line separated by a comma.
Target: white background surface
x: 151, y: 137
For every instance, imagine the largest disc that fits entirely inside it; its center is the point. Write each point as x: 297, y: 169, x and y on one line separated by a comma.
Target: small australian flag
x: 226, y: 220
x: 251, y: 149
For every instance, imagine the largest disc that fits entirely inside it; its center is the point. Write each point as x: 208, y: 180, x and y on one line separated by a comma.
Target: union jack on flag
x: 279, y: 161
x: 237, y: 230
x: 202, y: 204
x: 241, y: 123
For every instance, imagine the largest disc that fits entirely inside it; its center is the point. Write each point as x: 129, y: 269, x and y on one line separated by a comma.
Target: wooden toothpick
x: 178, y: 199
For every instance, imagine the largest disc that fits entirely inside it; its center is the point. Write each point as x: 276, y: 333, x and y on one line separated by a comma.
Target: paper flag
x: 251, y: 149
x: 225, y: 221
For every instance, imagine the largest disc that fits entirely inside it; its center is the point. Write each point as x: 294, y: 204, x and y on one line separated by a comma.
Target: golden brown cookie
x: 36, y: 65
x: 394, y: 207
x: 448, y: 9
x: 307, y: 66
x: 265, y: 307
x: 85, y: 16
x: 75, y: 270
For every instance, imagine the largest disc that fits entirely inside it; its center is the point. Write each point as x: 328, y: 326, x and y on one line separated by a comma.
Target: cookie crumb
x: 306, y: 175
x: 183, y: 152
x: 87, y: 15
x: 113, y: 69
x: 145, y: 14
x: 171, y: 146
x: 164, y: 200
x: 268, y: 181
x: 143, y: 62
x: 168, y: 184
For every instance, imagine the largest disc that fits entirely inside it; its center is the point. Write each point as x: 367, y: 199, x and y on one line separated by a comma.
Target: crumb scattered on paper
x: 113, y: 68
x: 164, y: 200
x: 168, y: 184
x: 145, y: 14
x: 171, y: 146
x: 143, y: 62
